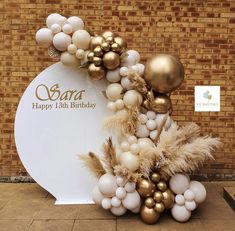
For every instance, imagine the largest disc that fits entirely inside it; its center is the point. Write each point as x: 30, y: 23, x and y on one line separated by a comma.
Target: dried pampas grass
x: 124, y: 121
x: 183, y: 150
x: 137, y: 82
x: 109, y: 160
x: 93, y: 163
x: 120, y: 170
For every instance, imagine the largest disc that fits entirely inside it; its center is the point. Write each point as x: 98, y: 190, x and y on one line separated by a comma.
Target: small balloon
x: 149, y: 202
x: 158, y: 196
x: 168, y: 199
x: 121, y: 42
x: 148, y: 215
x: 162, y: 186
x: 111, y: 60
x: 145, y: 188
x: 96, y: 72
x: 96, y: 41
x: 159, y: 207
x: 107, y: 34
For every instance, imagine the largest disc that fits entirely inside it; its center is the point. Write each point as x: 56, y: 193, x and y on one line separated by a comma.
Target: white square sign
x: 207, y: 98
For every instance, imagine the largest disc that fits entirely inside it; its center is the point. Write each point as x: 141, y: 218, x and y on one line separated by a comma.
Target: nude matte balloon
x: 199, y: 191
x: 68, y: 59
x: 97, y: 196
x: 107, y: 184
x: 52, y: 19
x: 61, y: 41
x: 129, y: 161
x: 118, y: 211
x: 180, y: 213
x: 114, y: 91
x: 113, y: 76
x: 179, y: 183
x: 81, y: 38
x: 44, y: 36
x: 131, y: 201
x: 76, y: 23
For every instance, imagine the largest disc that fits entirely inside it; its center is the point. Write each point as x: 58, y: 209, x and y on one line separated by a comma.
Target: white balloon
x: 84, y: 59
x: 189, y: 195
x: 126, y: 83
x: 131, y: 201
x: 61, y: 41
x: 151, y: 124
x: 160, y: 117
x: 44, y: 36
x: 113, y: 76
x: 151, y: 115
x: 107, y: 184
x: 190, y: 205
x: 119, y: 104
x: 120, y: 193
x: 129, y: 161
x: 115, y: 201
x: 179, y: 183
x: 129, y: 60
x: 135, y: 68
x: 142, y: 131
x: 137, y: 209
x: 141, y: 68
x: 114, y: 91
x: 132, y: 98
x: 56, y: 28
x: 97, y: 196
x: 145, y: 143
x: 106, y: 203
x: 199, y: 191
x: 153, y: 134
x: 80, y: 53
x: 130, y: 187
x: 62, y: 20
x: 121, y: 181
x: 67, y: 29
x: 118, y: 211
x: 68, y: 59
x: 125, y: 146
x: 72, y: 49
x: 76, y: 23
x: 81, y: 38
x: 135, y: 149
x: 143, y: 118
x: 132, y: 139
x: 52, y: 19
x: 111, y: 106
x: 179, y: 200
x: 123, y: 71
x: 180, y: 213
x: 134, y: 54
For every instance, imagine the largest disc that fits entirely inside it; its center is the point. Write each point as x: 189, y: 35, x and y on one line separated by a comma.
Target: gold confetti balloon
x: 96, y: 41
x: 164, y: 73
x: 168, y: 199
x: 149, y: 215
x: 149, y: 202
x: 107, y: 34
x: 145, y: 188
x: 157, y: 196
x: 155, y: 177
x: 96, y: 72
x: 159, y: 207
x: 162, y: 186
x: 111, y: 60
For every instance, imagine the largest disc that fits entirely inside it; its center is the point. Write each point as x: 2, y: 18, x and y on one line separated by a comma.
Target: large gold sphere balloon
x: 111, y: 60
x: 149, y: 215
x: 121, y: 42
x: 155, y: 177
x: 168, y: 199
x: 96, y: 41
x: 107, y: 34
x: 96, y: 72
x: 157, y: 196
x: 162, y: 186
x: 149, y: 202
x: 159, y: 207
x: 145, y: 188
x: 164, y: 73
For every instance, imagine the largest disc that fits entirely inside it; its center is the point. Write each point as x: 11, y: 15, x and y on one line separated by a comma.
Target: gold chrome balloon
x: 98, y: 51
x: 97, y: 61
x: 164, y: 73
x: 162, y: 186
x: 155, y: 177
x: 115, y: 47
x: 96, y: 72
x: 109, y: 40
x: 145, y: 188
x: 159, y: 207
x: 162, y: 103
x: 90, y: 56
x: 148, y: 215
x: 149, y: 202
x: 96, y: 41
x: 105, y: 46
x: 168, y: 199
x: 107, y: 34
x: 111, y: 60
x: 157, y: 196
x: 121, y: 42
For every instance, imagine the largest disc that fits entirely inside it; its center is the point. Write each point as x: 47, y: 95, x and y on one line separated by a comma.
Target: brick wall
x: 200, y: 32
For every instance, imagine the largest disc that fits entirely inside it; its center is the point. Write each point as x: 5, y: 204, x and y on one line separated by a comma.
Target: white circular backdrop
x: 52, y: 128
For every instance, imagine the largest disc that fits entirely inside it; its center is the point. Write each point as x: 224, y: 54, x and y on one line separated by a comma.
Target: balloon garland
x: 146, y: 170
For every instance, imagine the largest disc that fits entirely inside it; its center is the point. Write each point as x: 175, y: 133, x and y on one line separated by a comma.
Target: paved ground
x: 29, y: 207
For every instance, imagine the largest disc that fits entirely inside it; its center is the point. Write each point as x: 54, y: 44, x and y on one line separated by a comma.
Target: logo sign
x: 60, y: 116
x: 207, y: 98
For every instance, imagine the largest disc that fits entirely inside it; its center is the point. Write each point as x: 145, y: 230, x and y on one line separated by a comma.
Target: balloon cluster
x: 148, y: 124
x: 188, y: 195
x: 117, y: 194
x: 158, y: 197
